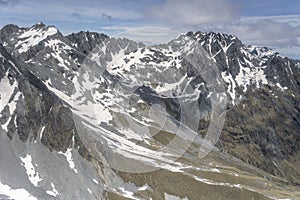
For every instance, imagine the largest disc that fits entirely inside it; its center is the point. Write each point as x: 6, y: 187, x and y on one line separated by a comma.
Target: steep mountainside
x: 263, y: 128
x: 87, y: 116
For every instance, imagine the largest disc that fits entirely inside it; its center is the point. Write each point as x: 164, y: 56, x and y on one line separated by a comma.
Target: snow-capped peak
x: 33, y: 36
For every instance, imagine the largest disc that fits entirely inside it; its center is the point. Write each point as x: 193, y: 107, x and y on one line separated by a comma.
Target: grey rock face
x: 85, y: 42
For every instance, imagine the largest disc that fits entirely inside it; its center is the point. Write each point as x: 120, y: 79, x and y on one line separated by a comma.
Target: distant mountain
x: 88, y: 116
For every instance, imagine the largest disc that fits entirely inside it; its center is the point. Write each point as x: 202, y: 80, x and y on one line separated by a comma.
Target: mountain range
x: 89, y: 116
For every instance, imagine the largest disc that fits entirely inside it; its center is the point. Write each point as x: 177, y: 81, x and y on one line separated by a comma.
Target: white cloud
x: 146, y: 35
x: 8, y: 2
x: 92, y: 10
x: 291, y: 19
x: 266, y: 32
x: 291, y: 52
x: 193, y: 12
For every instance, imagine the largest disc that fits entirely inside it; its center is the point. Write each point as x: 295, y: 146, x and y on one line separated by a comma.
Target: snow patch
x: 209, y: 182
x: 6, y: 90
x: 42, y: 131
x: 171, y: 197
x: 30, y: 170
x: 250, y: 75
x: 280, y: 87
x: 12, y: 107
x: 68, y: 155
x: 52, y: 192
x: 127, y: 194
x: 95, y: 181
x: 89, y: 190
x: 16, y: 194
x: 231, y: 85
x: 144, y: 187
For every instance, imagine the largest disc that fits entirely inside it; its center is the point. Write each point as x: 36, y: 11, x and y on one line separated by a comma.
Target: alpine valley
x: 89, y: 116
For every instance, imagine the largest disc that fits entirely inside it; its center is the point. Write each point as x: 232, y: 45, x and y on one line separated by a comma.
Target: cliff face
x: 106, y: 117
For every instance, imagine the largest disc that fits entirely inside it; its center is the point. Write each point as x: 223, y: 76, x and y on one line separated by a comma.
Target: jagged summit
x: 40, y: 25
x: 20, y: 40
x: 9, y: 27
x: 218, y: 36
x: 86, y: 41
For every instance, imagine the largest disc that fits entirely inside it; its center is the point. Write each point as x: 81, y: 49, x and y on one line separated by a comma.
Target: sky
x: 272, y: 23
